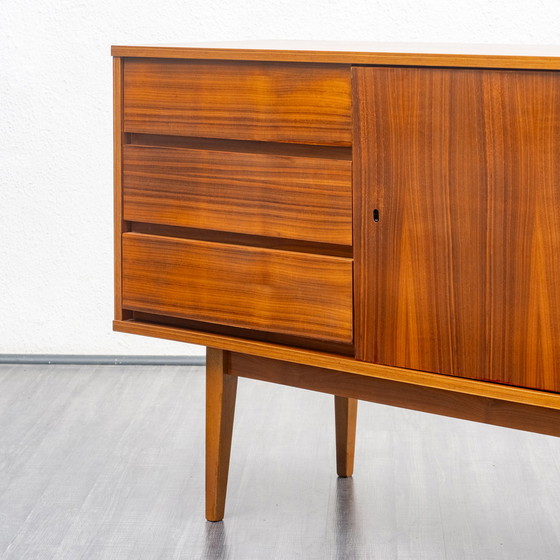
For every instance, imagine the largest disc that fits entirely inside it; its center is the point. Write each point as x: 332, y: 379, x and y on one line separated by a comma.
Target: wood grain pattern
x: 495, y: 391
x: 221, y: 390
x: 345, y: 413
x: 244, y: 146
x: 276, y: 291
x: 239, y: 100
x: 394, y: 393
x: 365, y: 198
x: 459, y: 275
x: 231, y: 238
x: 344, y: 349
x: 258, y: 194
x: 360, y: 52
x: 119, y: 226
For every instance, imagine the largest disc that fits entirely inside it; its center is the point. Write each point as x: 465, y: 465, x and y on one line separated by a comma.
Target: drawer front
x: 304, y: 198
x: 254, y: 288
x: 275, y: 102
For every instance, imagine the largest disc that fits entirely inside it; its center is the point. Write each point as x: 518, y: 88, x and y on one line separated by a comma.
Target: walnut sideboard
x: 378, y: 222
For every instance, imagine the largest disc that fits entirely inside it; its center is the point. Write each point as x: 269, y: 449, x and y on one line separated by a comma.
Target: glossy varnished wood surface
x: 279, y: 243
x: 305, y: 198
x: 330, y: 347
x: 221, y: 391
x: 394, y: 393
x: 118, y: 226
x: 360, y: 52
x: 345, y: 416
x: 336, y: 362
x: 366, y: 198
x: 459, y: 276
x: 239, y: 100
x: 277, y: 291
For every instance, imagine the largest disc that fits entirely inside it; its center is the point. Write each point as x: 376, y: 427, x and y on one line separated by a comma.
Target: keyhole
x: 376, y: 215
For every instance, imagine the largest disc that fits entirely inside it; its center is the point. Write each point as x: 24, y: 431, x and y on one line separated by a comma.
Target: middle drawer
x: 264, y: 194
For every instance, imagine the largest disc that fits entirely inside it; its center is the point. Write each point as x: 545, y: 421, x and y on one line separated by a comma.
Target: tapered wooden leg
x: 345, y: 411
x: 221, y: 390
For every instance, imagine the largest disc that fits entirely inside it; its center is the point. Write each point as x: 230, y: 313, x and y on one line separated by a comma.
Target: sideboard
x: 378, y: 222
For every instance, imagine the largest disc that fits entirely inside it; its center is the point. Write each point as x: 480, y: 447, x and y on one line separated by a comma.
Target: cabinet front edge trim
x: 340, y: 363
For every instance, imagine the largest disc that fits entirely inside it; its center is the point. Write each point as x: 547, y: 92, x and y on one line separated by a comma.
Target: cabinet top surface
x: 407, y: 54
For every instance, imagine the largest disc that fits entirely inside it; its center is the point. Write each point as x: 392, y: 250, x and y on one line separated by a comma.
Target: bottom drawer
x: 269, y: 290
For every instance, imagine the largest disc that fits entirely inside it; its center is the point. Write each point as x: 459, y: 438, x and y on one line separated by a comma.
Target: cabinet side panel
x: 458, y: 275
x: 117, y: 179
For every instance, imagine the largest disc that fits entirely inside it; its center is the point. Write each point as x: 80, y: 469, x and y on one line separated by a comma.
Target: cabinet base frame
x: 448, y: 387
x: 224, y: 367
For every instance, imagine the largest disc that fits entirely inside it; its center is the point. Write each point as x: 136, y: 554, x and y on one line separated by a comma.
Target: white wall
x: 55, y: 135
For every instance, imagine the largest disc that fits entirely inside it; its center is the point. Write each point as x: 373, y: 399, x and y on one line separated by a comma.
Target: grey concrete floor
x: 107, y: 462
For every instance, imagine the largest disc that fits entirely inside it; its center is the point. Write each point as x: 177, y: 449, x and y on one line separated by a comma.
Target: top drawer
x: 266, y: 101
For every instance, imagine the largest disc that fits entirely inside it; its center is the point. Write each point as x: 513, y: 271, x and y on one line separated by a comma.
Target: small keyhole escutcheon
x: 376, y: 215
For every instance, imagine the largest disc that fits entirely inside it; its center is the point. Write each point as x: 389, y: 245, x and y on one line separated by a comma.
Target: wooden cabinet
x: 380, y: 223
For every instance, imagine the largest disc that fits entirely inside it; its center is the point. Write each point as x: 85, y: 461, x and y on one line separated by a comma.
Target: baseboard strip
x: 93, y: 359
